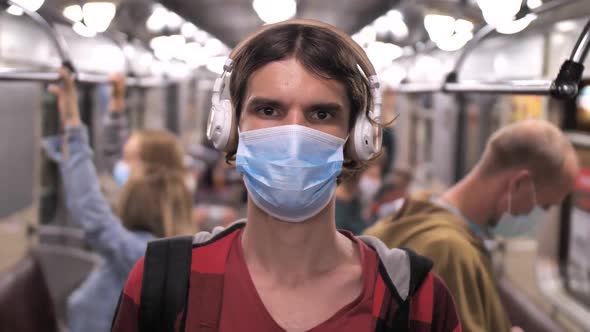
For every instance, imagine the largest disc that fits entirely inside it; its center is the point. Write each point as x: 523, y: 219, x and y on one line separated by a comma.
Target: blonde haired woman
x: 154, y: 202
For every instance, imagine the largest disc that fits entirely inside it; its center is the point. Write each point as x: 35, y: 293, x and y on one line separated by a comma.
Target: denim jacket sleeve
x: 86, y: 203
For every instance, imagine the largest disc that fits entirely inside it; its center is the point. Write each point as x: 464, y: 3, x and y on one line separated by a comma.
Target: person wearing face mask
x: 126, y: 153
x: 303, y: 115
x: 526, y: 168
x: 154, y: 202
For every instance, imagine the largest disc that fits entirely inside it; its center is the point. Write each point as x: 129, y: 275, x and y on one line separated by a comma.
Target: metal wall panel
x: 19, y: 115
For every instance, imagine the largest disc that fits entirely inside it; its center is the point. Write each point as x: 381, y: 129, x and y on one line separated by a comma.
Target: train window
x: 155, y: 107
x: 506, y: 57
x: 51, y: 204
x: 578, y: 262
x: 20, y: 103
x: 583, y: 109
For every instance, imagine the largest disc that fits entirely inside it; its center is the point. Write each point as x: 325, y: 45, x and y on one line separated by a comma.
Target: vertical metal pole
x: 460, y: 136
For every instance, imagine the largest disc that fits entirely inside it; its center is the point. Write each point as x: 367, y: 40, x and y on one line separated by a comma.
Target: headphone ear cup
x: 232, y: 141
x: 366, y: 139
x: 219, y: 126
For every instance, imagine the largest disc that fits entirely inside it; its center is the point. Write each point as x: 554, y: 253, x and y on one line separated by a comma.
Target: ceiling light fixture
x: 516, y: 26
x: 15, y: 10
x: 31, y: 5
x: 273, y: 11
x: 73, y: 13
x: 98, y: 15
x: 83, y: 30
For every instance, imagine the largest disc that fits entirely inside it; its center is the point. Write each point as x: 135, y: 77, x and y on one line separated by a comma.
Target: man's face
x: 285, y: 93
x: 548, y: 195
x: 554, y: 194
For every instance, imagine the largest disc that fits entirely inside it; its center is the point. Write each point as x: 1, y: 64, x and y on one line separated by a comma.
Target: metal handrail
x: 413, y: 88
x: 532, y: 87
x: 10, y: 74
x: 486, y: 30
x: 58, y: 40
x: 565, y: 86
x: 53, y: 76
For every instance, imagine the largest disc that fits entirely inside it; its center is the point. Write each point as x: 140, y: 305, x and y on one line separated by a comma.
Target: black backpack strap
x: 164, y: 290
x: 420, y: 266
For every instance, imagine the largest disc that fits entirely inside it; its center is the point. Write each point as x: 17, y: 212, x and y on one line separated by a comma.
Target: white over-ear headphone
x: 366, y: 137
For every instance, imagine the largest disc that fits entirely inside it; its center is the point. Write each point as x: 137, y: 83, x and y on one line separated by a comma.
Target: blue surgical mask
x: 517, y: 225
x: 121, y: 172
x: 290, y: 171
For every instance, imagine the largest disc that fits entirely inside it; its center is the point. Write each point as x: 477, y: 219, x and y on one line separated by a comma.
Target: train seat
x: 25, y: 301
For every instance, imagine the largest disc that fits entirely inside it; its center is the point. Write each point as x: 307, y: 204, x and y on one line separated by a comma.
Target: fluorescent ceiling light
x: 31, y: 5
x: 215, y: 64
x: 168, y: 47
x: 15, y: 10
x: 463, y: 26
x: 188, y: 30
x: 273, y: 11
x: 173, y: 21
x: 162, y: 18
x: 366, y: 36
x: 383, y: 54
x: 73, y: 13
x: 439, y: 27
x: 454, y: 42
x: 511, y: 27
x: 532, y: 4
x: 213, y: 47
x: 566, y: 26
x: 157, y: 21
x: 83, y: 30
x: 98, y: 15
x: 496, y: 12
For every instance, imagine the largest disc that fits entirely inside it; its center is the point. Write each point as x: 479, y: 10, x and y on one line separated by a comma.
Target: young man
x: 298, y: 102
x: 526, y: 168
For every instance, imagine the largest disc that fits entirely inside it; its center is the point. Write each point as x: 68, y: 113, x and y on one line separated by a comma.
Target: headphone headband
x: 362, y: 59
x: 366, y: 135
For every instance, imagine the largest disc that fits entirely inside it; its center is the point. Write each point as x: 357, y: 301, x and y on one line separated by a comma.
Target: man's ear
x: 521, y: 178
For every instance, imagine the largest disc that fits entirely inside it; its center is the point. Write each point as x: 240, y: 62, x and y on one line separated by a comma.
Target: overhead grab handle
x: 566, y: 85
x: 58, y: 40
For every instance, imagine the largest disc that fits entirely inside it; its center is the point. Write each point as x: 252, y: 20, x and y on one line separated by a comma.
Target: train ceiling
x: 231, y: 20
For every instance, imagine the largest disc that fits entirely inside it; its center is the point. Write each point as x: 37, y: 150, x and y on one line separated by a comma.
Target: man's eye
x: 322, y: 115
x: 266, y: 111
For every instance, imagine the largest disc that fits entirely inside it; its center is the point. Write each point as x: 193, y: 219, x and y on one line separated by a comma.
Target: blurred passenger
x: 390, y: 197
x: 115, y: 123
x: 526, y: 168
x: 355, y: 195
x: 154, y: 203
x: 219, y: 200
x: 349, y: 207
x: 296, y: 91
x: 126, y: 153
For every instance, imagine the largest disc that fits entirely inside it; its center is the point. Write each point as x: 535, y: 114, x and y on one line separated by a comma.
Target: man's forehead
x: 289, y: 78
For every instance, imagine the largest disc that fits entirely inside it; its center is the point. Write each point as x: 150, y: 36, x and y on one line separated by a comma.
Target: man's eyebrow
x: 329, y: 106
x: 259, y: 101
x: 264, y: 101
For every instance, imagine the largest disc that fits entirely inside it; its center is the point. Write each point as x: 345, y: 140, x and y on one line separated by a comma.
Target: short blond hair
x: 535, y: 145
